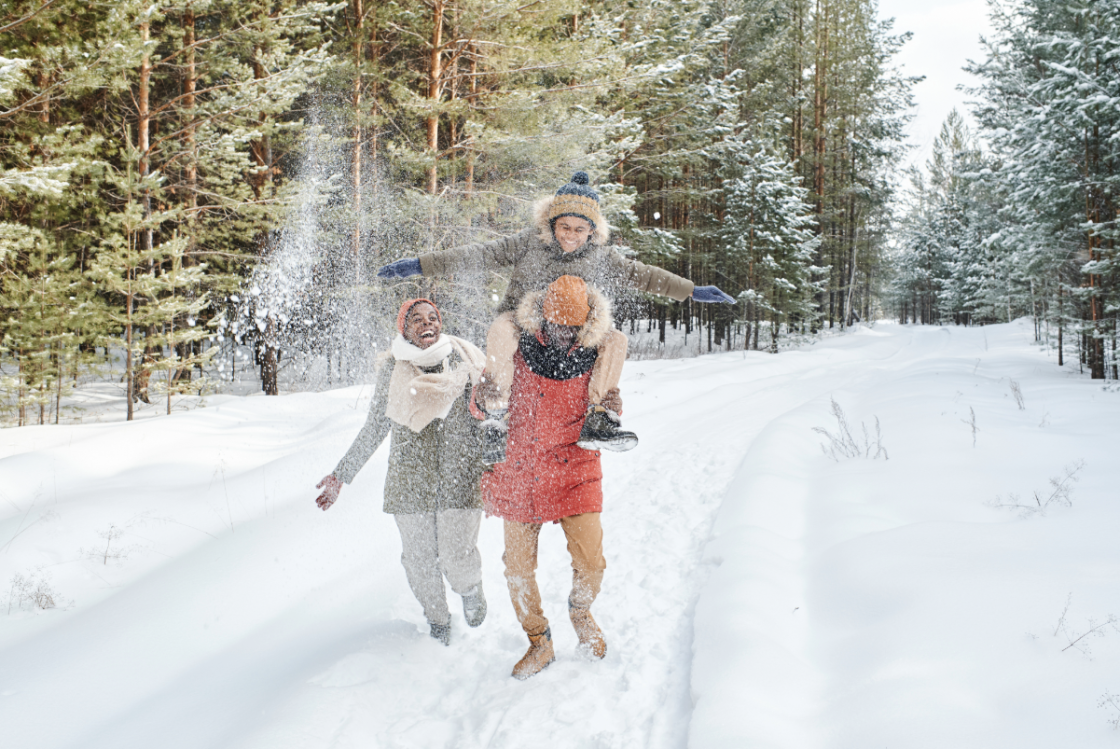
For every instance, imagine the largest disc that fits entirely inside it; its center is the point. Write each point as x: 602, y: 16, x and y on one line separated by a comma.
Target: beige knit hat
x: 576, y: 199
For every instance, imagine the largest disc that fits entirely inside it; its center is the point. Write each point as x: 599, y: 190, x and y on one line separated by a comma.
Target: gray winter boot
x: 474, y: 606
x: 441, y: 632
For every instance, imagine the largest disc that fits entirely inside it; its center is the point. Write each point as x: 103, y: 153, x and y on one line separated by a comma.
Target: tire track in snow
x: 750, y: 614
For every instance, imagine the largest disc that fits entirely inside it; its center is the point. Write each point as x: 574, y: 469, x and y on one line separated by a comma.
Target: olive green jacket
x: 537, y: 261
x: 437, y: 468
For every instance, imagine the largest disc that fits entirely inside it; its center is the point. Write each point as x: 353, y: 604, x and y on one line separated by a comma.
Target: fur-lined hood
x: 600, y: 236
x: 530, y: 316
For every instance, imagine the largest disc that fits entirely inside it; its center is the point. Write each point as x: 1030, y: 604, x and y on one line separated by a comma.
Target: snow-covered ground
x: 758, y: 592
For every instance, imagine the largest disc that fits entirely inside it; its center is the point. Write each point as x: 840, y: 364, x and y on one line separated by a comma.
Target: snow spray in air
x: 312, y: 311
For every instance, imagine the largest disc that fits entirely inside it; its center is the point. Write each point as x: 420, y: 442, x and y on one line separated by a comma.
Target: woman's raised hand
x: 331, y: 486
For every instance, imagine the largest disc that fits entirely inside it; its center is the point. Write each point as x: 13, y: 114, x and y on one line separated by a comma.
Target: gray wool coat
x: 437, y: 468
x: 537, y: 261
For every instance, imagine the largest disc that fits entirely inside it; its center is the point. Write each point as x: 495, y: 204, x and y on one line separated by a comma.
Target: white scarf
x: 416, y: 398
x: 422, y: 357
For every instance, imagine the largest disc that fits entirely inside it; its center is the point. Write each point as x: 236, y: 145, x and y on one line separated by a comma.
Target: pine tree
x: 1050, y: 107
x: 768, y: 230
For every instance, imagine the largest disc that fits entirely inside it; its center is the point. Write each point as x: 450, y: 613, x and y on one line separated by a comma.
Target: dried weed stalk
x: 972, y: 424
x: 1079, y: 641
x: 1111, y: 702
x: 1061, y: 490
x: 843, y: 444
x: 1018, y: 393
x: 31, y: 592
x: 108, y: 552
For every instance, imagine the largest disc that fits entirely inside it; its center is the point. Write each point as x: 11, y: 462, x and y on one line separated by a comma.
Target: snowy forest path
x: 269, y: 608
x: 749, y: 598
x: 697, y: 419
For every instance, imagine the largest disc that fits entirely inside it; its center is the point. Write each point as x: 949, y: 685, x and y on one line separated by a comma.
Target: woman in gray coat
x: 431, y: 489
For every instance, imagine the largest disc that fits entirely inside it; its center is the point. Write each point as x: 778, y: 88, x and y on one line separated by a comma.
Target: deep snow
x: 758, y: 593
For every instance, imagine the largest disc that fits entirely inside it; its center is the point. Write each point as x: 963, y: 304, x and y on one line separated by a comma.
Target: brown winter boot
x: 537, y: 657
x: 590, y: 636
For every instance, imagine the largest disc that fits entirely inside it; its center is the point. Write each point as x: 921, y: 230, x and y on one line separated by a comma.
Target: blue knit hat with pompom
x: 576, y: 199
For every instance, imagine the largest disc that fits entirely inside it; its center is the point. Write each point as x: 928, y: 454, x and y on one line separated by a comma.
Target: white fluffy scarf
x: 417, y: 398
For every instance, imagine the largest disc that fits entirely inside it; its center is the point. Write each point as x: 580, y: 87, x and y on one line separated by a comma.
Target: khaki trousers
x: 585, y: 543
x: 440, y: 544
x: 501, y: 345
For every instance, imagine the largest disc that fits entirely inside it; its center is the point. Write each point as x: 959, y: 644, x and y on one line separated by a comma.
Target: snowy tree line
x: 1021, y: 217
x: 160, y: 161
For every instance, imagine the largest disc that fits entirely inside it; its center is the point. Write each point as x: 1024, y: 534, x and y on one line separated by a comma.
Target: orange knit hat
x: 565, y: 302
x: 407, y: 307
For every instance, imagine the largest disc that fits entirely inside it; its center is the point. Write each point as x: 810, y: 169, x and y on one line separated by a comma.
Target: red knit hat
x: 408, y: 305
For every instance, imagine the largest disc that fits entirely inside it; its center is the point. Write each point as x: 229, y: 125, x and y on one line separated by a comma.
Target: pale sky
x: 946, y: 35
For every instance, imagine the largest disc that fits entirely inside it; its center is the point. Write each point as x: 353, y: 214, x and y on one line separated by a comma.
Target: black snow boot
x: 441, y: 632
x: 474, y: 606
x: 602, y: 431
x: 495, y: 434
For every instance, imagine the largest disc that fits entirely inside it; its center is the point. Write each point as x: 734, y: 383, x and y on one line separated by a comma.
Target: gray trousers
x: 439, y: 544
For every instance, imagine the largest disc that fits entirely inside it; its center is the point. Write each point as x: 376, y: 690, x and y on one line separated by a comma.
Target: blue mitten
x: 410, y: 266
x: 711, y: 294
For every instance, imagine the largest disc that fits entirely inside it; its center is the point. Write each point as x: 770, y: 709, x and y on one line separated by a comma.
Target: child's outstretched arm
x: 654, y: 280
x: 478, y: 256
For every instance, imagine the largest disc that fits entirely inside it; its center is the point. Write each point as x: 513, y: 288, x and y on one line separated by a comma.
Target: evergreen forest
x: 195, y: 188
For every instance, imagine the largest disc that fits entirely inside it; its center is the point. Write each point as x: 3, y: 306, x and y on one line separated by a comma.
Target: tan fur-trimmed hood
x: 530, y: 316
x: 600, y: 236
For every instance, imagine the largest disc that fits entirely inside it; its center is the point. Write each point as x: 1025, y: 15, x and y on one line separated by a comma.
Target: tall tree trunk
x: 757, y: 315
x: 1061, y: 327
x: 143, y: 146
x: 270, y: 359
x: 1095, y: 344
x: 820, y: 104
x: 435, y: 75
x: 848, y: 309
x: 170, y: 378
x: 264, y: 188
x: 128, y: 366
x: 190, y: 148
x: 375, y: 54
x: 190, y: 83
x: 798, y: 148
x: 356, y: 155
x: 775, y: 329
x: 471, y: 98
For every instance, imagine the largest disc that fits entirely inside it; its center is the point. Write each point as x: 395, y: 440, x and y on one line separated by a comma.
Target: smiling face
x: 422, y: 325
x: 571, y: 232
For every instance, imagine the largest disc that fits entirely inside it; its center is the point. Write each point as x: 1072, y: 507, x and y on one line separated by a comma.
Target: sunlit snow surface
x: 758, y: 593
